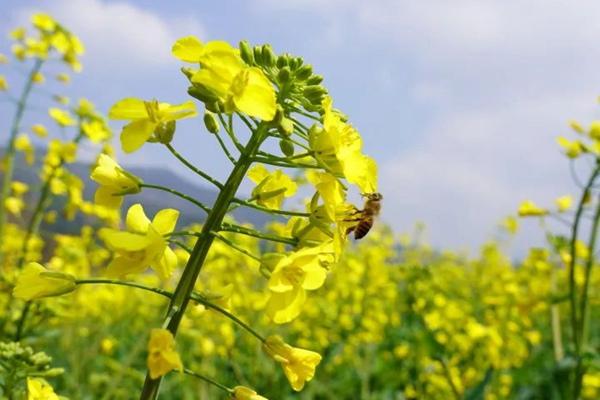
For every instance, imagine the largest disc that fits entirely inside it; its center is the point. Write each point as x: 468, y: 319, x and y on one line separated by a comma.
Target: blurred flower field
x: 134, y: 305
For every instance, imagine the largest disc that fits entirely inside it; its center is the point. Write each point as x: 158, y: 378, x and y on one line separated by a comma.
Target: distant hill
x: 152, y: 200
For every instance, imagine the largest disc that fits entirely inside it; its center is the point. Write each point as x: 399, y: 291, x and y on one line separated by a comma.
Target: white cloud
x: 120, y: 33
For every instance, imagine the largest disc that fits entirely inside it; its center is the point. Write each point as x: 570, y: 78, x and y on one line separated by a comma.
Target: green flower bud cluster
x: 296, y: 81
x: 20, y: 361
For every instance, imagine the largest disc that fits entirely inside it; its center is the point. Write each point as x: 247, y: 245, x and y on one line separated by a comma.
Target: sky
x: 459, y: 102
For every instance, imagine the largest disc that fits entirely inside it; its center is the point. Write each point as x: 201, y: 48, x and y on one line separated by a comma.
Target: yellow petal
x: 135, y: 134
x: 165, y: 220
x: 124, y: 240
x: 188, y: 49
x: 129, y: 108
x: 254, y: 95
x: 136, y: 219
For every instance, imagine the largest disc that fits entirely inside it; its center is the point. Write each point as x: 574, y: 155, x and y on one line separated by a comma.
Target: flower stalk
x: 185, y: 287
x: 9, y: 156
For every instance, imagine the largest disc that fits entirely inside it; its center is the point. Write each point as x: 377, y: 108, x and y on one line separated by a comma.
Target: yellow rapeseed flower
x: 563, y: 203
x: 39, y: 389
x: 529, y: 209
x: 23, y: 144
x: 143, y: 244
x: 64, y: 78
x: 298, y: 364
x: 338, y: 145
x: 3, y: 84
x: 572, y: 149
x: 114, y: 182
x: 39, y: 130
x: 162, y: 356
x: 224, y: 73
x: 245, y: 393
x: 146, y: 117
x: 271, y: 187
x: 291, y: 276
x: 36, y: 282
x: 61, y: 117
x: 38, y: 78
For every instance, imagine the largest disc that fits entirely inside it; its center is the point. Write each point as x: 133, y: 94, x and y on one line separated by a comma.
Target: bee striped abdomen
x: 363, y: 227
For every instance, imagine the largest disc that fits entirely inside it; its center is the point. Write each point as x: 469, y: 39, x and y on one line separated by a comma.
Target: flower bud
x: 279, y: 114
x: 314, y: 80
x: 164, y: 132
x: 304, y: 72
x: 246, y: 52
x: 295, y: 63
x: 202, y: 93
x: 188, y: 72
x: 286, y: 126
x: 258, y: 57
x: 36, y: 282
x: 268, y: 56
x: 287, y: 147
x: 283, y: 60
x: 210, y: 122
x: 314, y: 91
x: 284, y: 75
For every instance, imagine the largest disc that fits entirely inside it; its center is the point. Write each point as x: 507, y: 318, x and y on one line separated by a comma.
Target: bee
x: 366, y: 217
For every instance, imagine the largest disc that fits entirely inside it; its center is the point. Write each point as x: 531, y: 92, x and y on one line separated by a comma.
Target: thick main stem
x: 583, y: 310
x: 9, y: 157
x: 573, y: 260
x: 181, y: 296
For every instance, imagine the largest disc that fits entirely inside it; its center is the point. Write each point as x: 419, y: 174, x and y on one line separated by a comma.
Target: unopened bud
x: 287, y: 147
x: 286, y: 126
x: 268, y: 55
x: 279, y: 114
x: 283, y: 60
x: 314, y: 80
x: 258, y: 58
x: 202, y: 93
x: 304, y: 72
x: 295, y: 63
x: 314, y: 91
x: 246, y: 52
x: 164, y: 132
x: 284, y: 75
x: 210, y: 122
x: 315, y: 131
x: 188, y: 72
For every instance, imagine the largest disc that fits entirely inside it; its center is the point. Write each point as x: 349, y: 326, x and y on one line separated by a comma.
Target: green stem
x: 572, y: 261
x: 176, y: 193
x: 269, y: 210
x: 265, y: 160
x: 206, y: 379
x: 21, y: 322
x: 583, y: 309
x: 193, y: 168
x: 185, y: 286
x: 102, y: 281
x: 43, y: 201
x: 251, y: 232
x: 307, y: 115
x: 235, y: 246
x: 224, y: 148
x: 9, y: 157
x: 196, y: 297
x: 228, y: 128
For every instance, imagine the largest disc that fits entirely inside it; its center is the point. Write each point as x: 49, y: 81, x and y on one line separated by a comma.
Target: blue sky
x: 459, y: 102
